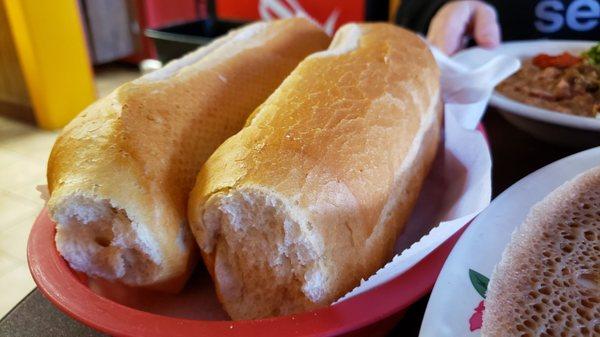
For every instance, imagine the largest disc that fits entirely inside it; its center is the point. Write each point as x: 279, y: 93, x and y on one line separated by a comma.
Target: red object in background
x: 166, y: 12
x: 349, y: 10
x: 159, y: 13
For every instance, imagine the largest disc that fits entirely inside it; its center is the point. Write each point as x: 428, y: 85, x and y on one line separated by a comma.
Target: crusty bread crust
x: 548, y: 280
x: 120, y: 173
x: 309, y: 197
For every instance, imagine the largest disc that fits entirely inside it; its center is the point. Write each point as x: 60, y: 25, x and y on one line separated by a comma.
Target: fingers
x: 486, y: 30
x: 456, y: 21
x: 449, y: 26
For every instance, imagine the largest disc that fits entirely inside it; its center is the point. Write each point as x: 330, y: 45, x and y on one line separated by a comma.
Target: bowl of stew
x: 555, y: 96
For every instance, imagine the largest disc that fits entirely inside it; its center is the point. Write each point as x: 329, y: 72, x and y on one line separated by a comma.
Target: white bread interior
x: 309, y: 197
x: 548, y: 280
x: 121, y: 172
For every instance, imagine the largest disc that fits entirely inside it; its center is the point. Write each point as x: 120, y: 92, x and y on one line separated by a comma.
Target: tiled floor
x: 24, y: 153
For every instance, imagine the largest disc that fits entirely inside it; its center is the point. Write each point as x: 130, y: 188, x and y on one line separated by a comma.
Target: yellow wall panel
x: 12, y: 83
x: 52, y: 50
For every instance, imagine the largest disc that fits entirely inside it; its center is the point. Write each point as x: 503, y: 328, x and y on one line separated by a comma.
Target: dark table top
x: 515, y: 154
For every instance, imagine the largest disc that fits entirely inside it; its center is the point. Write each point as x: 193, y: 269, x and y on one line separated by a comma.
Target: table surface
x: 515, y: 154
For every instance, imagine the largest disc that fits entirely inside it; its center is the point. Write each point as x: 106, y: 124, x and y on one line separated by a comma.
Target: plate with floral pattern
x: 457, y: 302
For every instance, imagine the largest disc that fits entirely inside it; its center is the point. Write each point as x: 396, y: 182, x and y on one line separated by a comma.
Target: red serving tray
x: 371, y: 313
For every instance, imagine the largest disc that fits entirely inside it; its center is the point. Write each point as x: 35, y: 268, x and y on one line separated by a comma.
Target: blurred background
x: 57, y: 57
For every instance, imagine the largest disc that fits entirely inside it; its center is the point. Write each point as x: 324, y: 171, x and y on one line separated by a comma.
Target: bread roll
x: 121, y: 172
x: 309, y: 197
x: 548, y: 281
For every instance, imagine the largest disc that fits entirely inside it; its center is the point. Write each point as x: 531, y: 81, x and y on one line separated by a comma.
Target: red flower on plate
x: 476, y: 319
x: 480, y: 283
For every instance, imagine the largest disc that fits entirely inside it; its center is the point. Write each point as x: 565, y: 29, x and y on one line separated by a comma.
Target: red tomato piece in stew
x: 562, y: 61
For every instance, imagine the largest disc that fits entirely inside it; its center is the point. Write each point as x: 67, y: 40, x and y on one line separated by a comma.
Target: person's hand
x: 456, y: 21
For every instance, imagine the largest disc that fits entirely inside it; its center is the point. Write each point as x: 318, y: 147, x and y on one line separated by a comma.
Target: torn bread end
x: 101, y: 240
x: 255, y: 236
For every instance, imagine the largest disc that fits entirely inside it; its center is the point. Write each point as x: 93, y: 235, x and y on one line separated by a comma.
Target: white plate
x: 454, y: 298
x: 545, y: 124
x: 528, y: 49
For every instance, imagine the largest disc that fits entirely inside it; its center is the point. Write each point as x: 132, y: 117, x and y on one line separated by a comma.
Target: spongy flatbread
x: 548, y: 281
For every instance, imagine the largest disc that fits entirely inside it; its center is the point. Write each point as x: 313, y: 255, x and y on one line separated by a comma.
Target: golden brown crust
x: 344, y: 145
x: 141, y: 147
x: 548, y: 281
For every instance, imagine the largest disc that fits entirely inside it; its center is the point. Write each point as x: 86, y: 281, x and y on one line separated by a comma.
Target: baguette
x: 548, y: 280
x: 121, y: 172
x: 309, y: 197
